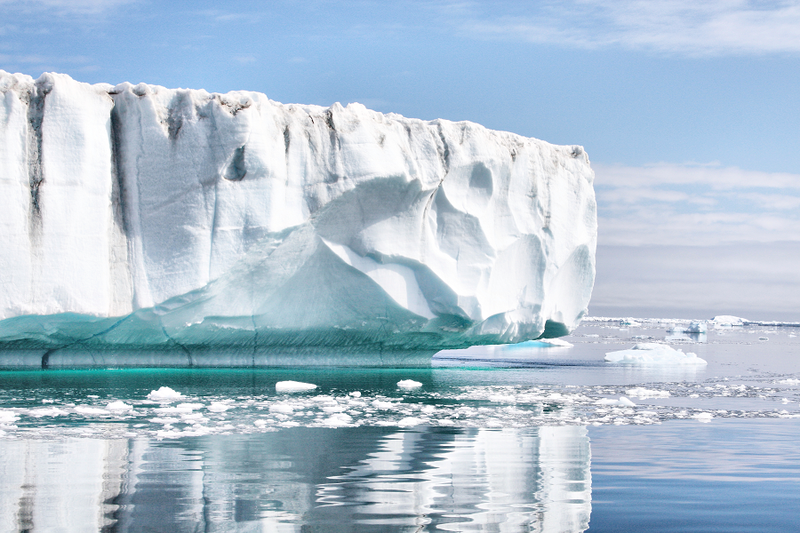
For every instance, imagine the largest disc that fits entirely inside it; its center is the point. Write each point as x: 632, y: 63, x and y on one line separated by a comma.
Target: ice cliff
x: 193, y: 228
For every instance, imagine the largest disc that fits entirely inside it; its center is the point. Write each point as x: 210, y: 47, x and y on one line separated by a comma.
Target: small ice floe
x: 622, y: 402
x: 164, y: 394
x: 338, y: 420
x: 293, y: 386
x: 119, y: 406
x: 642, y: 393
x: 408, y: 384
x: 355, y: 394
x: 651, y: 354
x: 411, y: 421
x: 703, y: 417
x: 789, y: 381
x: 219, y: 407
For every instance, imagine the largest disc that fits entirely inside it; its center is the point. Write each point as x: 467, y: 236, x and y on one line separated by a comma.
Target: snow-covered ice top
x: 207, y: 219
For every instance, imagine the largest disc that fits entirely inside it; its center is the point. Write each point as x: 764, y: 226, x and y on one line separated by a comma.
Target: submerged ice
x: 193, y: 228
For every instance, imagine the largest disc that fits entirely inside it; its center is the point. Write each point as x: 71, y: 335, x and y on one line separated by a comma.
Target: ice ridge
x: 213, y: 229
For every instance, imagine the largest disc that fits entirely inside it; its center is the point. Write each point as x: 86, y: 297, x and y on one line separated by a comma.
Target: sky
x: 689, y: 111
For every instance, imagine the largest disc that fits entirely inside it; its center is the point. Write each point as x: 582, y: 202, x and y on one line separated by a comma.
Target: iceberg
x: 654, y: 354
x: 149, y: 226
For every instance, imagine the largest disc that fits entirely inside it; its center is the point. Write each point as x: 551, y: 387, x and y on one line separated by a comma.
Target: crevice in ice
x: 237, y: 168
x: 183, y: 348
x: 36, y: 102
x: 444, y: 150
x: 287, y: 139
x: 175, y: 114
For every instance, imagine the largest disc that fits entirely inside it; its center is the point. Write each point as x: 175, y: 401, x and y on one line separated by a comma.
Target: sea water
x: 525, y: 438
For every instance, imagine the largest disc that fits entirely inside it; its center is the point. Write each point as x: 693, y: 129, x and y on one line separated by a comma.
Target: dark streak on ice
x: 36, y: 101
x: 444, y: 152
x: 286, y: 139
x: 175, y: 114
x: 117, y: 171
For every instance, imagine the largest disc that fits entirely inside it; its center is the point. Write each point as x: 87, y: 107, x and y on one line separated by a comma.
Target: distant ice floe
x: 408, y: 384
x: 650, y: 353
x: 294, y: 386
x: 642, y: 393
x: 164, y: 394
x: 727, y: 321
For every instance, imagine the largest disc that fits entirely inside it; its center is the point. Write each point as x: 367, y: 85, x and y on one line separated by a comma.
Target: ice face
x: 176, y: 223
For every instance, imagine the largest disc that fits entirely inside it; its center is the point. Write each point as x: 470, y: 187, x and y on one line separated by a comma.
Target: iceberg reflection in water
x: 325, y: 479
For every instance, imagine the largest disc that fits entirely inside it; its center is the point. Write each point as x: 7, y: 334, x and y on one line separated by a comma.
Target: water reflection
x: 346, y: 479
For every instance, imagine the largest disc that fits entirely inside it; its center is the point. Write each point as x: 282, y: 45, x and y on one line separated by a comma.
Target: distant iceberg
x: 654, y: 354
x: 149, y: 226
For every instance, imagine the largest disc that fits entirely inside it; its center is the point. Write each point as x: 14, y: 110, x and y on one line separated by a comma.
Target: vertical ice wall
x: 123, y: 198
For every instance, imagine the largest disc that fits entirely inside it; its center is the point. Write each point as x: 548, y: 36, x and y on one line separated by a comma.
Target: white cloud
x: 695, y: 204
x: 714, y: 27
x: 81, y: 7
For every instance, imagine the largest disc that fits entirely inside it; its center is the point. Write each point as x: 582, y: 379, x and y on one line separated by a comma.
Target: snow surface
x: 650, y: 353
x: 168, y: 222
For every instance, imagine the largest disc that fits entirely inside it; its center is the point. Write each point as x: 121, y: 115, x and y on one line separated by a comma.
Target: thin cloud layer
x: 716, y: 27
x: 696, y: 205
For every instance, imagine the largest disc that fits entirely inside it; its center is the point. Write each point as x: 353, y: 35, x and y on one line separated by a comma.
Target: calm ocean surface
x: 493, y: 439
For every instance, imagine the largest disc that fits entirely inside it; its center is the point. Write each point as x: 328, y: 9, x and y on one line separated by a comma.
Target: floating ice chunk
x: 294, y: 386
x: 164, y: 394
x: 87, y: 410
x: 219, y: 407
x: 408, y: 384
x: 789, y: 382
x: 118, y: 406
x: 7, y: 416
x: 622, y: 402
x: 281, y: 408
x: 380, y: 404
x: 48, y: 411
x: 337, y: 420
x: 727, y: 321
x: 411, y: 421
x: 355, y: 394
x: 642, y: 393
x: 650, y: 353
x: 703, y: 417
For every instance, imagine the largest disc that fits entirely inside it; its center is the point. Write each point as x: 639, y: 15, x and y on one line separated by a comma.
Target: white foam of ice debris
x: 293, y: 386
x: 642, y: 393
x: 164, y: 394
x: 650, y: 353
x: 408, y: 384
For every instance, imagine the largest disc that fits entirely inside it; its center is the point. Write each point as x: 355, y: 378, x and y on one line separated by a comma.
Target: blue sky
x: 690, y: 111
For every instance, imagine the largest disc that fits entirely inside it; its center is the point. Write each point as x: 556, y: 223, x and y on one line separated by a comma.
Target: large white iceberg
x: 193, y: 228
